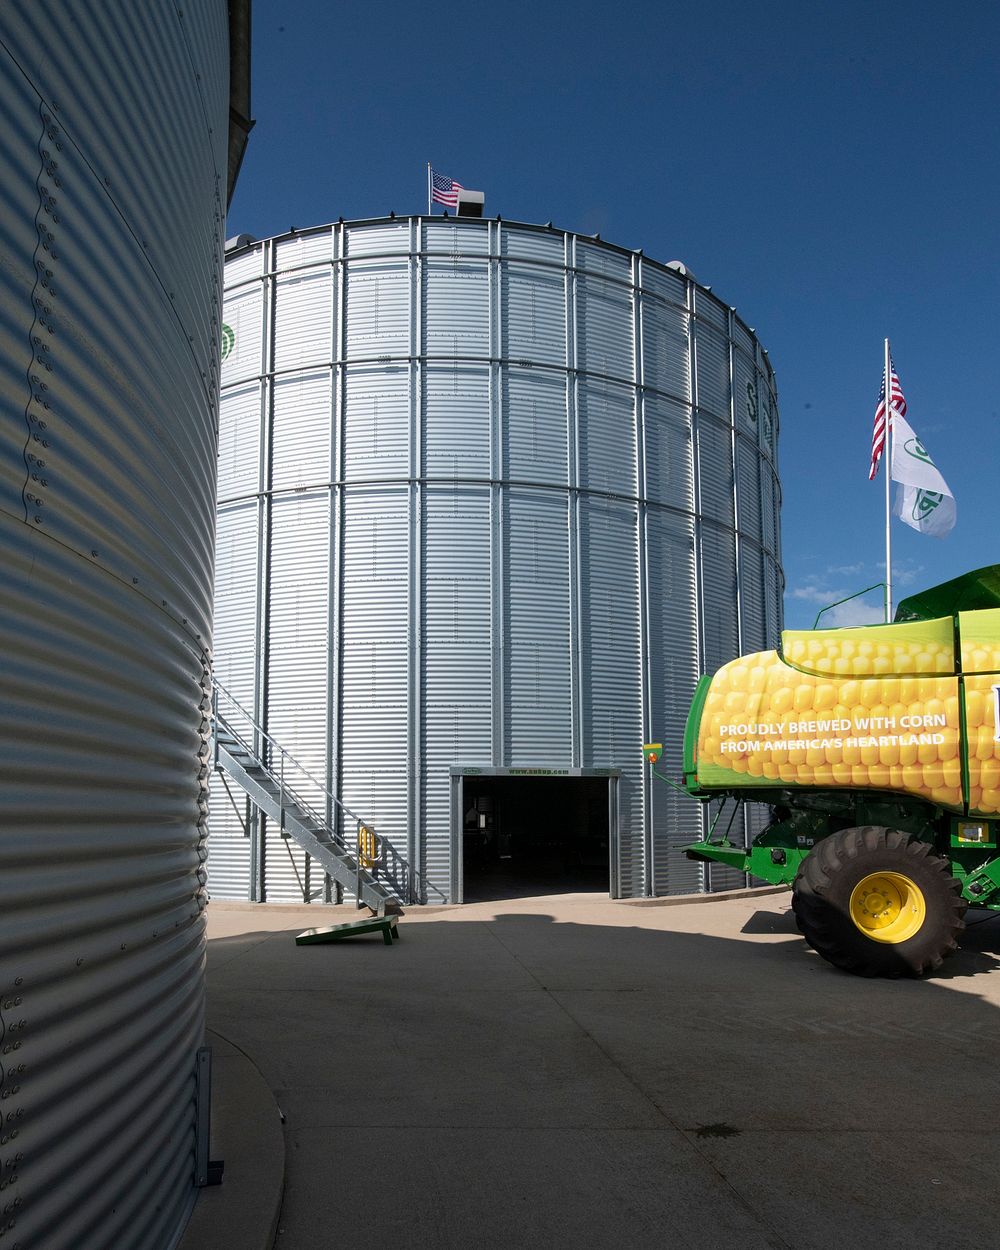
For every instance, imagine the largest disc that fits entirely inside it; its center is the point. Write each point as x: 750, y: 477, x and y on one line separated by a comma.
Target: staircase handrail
x: 217, y: 689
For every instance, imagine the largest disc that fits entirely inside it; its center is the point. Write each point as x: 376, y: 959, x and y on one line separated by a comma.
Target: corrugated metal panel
x: 715, y: 469
x: 536, y: 616
x: 664, y: 284
x: 236, y: 618
x: 457, y: 659
x: 306, y: 248
x: 604, y: 327
x: 374, y: 656
x: 298, y: 697
x: 301, y: 431
x: 743, y: 339
x: 752, y: 610
x: 228, y: 861
x: 748, y: 485
x: 666, y: 363
x: 673, y: 672
x: 719, y: 595
x: 456, y: 421
x: 712, y: 354
x: 239, y: 442
x: 376, y: 422
x: 533, y: 314
x: 456, y: 309
x: 244, y: 266
x: 612, y: 703
x: 774, y: 590
x: 456, y: 238
x: 606, y: 261
x: 110, y: 352
x: 768, y: 506
x: 160, y: 99
x: 607, y: 437
x: 377, y: 295
x: 535, y: 427
x: 375, y: 240
x: 93, y: 352
x: 243, y: 314
x: 303, y: 319
x: 236, y: 548
x: 538, y: 245
x: 746, y: 401
x: 708, y: 309
x: 669, y: 461
x: 768, y: 415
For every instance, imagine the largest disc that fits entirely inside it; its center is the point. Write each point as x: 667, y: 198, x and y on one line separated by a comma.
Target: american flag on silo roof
x: 444, y: 190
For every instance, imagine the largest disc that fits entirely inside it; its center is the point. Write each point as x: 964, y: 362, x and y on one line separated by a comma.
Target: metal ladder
x: 274, y: 782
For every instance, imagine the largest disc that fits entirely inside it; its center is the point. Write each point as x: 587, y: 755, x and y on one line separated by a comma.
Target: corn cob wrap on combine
x: 877, y: 708
x: 878, y: 750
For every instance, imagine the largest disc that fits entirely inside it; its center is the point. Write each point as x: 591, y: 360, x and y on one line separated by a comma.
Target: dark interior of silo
x: 524, y: 836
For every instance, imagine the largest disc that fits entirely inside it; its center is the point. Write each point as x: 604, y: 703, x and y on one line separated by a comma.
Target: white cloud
x: 817, y: 594
x: 904, y: 573
x: 856, y: 612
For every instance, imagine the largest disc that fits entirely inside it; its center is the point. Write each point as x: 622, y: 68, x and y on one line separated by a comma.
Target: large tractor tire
x: 877, y: 903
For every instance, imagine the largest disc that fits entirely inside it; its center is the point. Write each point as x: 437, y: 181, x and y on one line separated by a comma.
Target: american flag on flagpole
x: 897, y: 403
x: 444, y: 190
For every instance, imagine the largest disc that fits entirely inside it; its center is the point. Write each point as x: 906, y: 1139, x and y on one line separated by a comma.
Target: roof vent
x: 241, y: 240
x: 470, y: 203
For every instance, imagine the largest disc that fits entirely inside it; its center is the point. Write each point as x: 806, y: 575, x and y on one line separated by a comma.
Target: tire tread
x: 826, y: 927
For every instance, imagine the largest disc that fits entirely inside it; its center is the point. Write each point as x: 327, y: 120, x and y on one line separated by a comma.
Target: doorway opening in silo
x: 523, y: 836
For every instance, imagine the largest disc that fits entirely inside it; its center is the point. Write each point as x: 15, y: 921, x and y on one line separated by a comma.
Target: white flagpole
x: 887, y: 457
x: 429, y: 209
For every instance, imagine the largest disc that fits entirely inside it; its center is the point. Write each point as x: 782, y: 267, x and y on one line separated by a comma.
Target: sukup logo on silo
x: 228, y: 341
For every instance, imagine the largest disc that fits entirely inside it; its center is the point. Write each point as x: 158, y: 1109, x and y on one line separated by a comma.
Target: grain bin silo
x: 123, y: 126
x: 491, y: 496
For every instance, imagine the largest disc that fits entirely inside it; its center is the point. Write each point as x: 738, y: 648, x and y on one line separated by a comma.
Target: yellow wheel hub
x: 888, y: 907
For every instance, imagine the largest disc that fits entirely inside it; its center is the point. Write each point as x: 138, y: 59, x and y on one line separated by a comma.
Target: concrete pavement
x: 568, y: 1069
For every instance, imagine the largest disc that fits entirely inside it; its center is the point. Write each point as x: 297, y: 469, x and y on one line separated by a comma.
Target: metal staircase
x: 275, y: 783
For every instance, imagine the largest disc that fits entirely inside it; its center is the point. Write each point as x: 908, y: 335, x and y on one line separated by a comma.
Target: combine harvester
x: 878, y: 749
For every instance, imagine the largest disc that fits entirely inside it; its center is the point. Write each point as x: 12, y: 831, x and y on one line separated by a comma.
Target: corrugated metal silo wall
x: 490, y: 495
x: 114, y: 151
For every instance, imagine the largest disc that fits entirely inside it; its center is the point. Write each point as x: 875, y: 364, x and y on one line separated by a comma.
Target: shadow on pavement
x: 500, y: 1080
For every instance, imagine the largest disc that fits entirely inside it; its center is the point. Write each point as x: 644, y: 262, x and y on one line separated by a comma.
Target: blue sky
x: 831, y: 169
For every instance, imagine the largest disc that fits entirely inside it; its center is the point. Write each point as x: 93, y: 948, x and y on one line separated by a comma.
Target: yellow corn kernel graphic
x: 871, y: 708
x: 924, y: 647
x: 982, y: 732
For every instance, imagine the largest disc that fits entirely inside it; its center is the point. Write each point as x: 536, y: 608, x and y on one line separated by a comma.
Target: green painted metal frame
x: 386, y: 925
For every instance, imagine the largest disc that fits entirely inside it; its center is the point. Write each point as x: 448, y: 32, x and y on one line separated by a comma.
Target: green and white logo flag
x: 924, y: 502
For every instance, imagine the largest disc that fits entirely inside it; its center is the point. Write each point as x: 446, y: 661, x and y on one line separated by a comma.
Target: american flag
x: 897, y: 404
x: 444, y: 190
